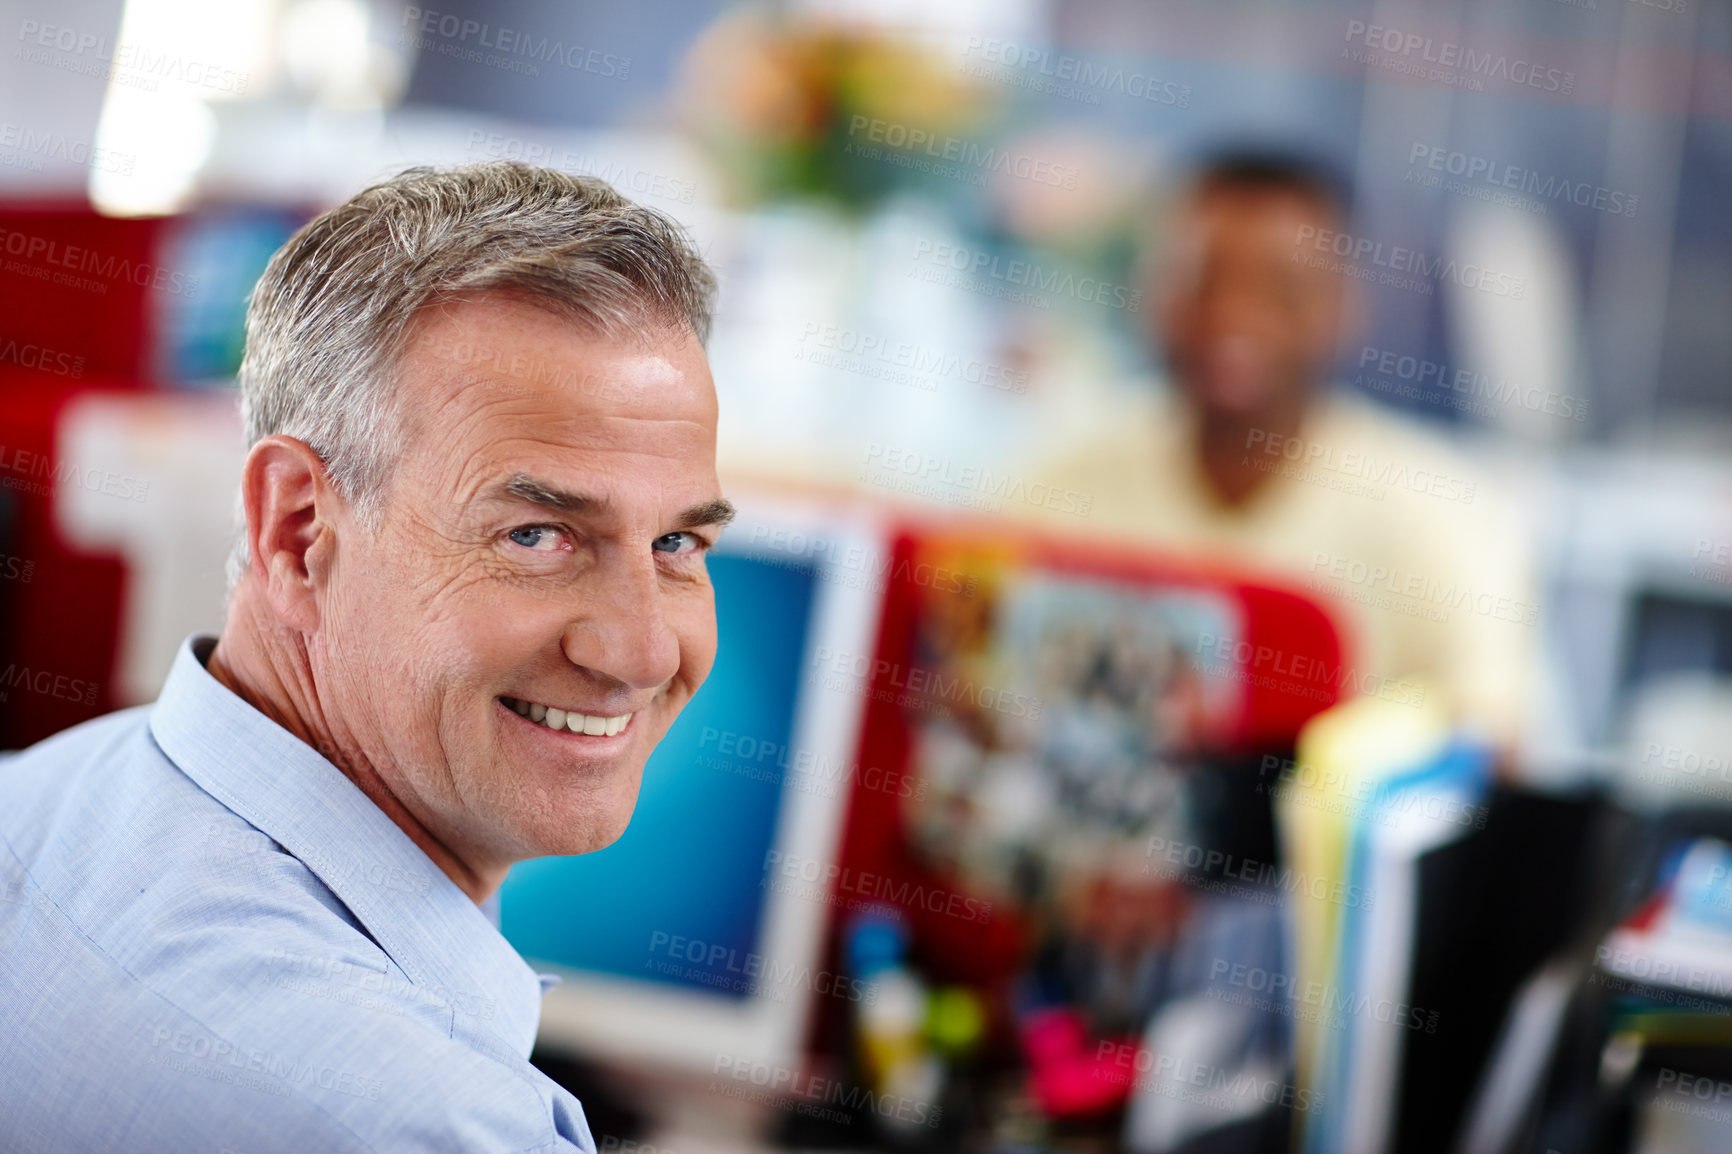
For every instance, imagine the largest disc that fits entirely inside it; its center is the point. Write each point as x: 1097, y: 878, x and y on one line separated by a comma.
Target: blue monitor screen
x: 689, y: 866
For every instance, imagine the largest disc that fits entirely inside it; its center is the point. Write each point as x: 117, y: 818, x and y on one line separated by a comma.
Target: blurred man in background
x: 1258, y: 458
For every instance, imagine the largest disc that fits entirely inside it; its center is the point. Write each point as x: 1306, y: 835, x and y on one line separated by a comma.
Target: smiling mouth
x: 562, y: 721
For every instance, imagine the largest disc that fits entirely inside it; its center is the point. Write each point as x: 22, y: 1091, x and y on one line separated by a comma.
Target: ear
x: 290, y: 528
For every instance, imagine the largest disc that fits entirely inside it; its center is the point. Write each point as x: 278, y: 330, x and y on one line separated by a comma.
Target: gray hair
x: 338, y: 303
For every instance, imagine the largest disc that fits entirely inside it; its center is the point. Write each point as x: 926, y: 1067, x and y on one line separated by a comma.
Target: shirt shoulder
x: 183, y: 982
x: 1435, y: 492
x: 1371, y: 427
x: 1133, y: 478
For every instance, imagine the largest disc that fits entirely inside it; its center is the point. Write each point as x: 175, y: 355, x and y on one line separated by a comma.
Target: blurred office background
x: 933, y: 226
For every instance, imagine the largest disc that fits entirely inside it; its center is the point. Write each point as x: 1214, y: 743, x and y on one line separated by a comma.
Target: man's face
x: 1248, y: 326
x: 542, y: 543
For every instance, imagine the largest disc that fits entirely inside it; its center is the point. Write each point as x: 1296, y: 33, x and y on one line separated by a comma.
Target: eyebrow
x: 718, y: 512
x: 527, y: 488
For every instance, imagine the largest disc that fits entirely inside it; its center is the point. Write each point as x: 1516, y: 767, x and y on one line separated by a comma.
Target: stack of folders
x: 1376, y: 785
x: 1675, y: 951
x: 1681, y: 938
x: 1669, y: 1023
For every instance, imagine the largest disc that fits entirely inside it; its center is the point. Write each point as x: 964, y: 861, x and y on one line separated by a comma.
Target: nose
x: 1231, y: 307
x: 621, y: 630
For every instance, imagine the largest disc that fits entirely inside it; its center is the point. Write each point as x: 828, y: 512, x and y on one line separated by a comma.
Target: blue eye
x: 673, y: 542
x: 531, y: 536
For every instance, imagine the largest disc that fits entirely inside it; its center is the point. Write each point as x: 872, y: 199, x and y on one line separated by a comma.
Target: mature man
x: 255, y: 916
x: 1257, y: 458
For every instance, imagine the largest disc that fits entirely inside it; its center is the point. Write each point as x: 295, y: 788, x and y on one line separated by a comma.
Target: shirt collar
x: 437, y: 936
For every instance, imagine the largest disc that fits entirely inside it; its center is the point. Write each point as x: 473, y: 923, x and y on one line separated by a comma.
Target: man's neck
x: 268, y: 666
x: 269, y: 670
x: 1232, y: 450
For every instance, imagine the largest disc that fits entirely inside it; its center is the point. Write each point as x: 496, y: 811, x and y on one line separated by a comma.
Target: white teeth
x: 553, y: 718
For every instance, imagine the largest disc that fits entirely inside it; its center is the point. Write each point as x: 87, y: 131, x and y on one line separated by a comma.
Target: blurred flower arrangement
x: 816, y: 110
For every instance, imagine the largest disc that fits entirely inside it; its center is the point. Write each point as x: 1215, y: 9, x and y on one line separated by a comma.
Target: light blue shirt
x: 211, y: 940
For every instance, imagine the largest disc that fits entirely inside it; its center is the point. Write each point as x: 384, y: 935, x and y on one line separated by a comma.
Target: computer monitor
x: 674, y: 943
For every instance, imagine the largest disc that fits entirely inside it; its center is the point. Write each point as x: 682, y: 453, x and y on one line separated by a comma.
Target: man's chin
x: 585, y: 833
x: 1237, y: 402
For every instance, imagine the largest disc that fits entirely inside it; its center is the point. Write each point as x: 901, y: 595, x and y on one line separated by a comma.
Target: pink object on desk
x: 1070, y: 1075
